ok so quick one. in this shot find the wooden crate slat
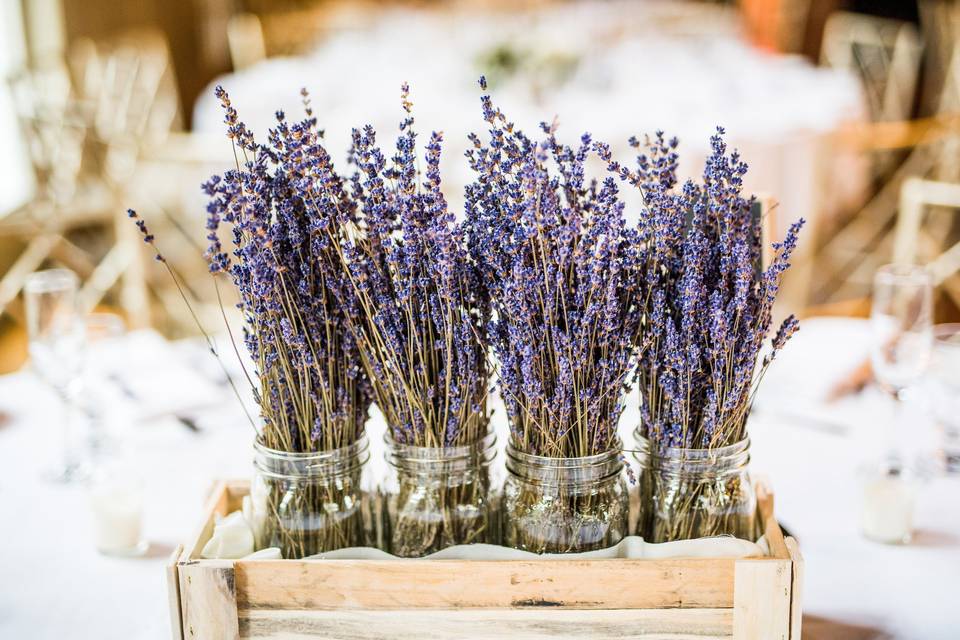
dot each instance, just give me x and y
(796, 593)
(218, 503)
(173, 593)
(672, 598)
(531, 624)
(208, 600)
(578, 584)
(761, 599)
(771, 528)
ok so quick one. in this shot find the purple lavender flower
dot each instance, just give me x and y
(286, 209)
(424, 315)
(558, 264)
(707, 305)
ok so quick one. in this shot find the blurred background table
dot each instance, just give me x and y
(55, 582)
(614, 70)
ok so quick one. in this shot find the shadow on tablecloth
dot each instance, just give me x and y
(817, 628)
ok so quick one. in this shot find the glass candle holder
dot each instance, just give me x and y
(695, 493)
(564, 505)
(309, 503)
(116, 502)
(438, 497)
(887, 503)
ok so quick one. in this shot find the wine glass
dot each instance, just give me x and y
(56, 336)
(103, 335)
(902, 329)
(945, 378)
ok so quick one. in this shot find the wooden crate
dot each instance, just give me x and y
(416, 599)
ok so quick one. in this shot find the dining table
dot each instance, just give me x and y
(166, 407)
(612, 69)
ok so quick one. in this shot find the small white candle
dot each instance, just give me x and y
(117, 505)
(887, 509)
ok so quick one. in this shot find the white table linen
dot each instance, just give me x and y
(53, 583)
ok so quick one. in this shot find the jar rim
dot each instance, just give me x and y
(573, 473)
(311, 466)
(358, 445)
(565, 462)
(676, 452)
(487, 441)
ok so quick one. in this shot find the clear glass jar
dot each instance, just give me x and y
(564, 505)
(309, 503)
(437, 497)
(695, 493)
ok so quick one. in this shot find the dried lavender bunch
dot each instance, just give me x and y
(286, 207)
(422, 339)
(558, 261)
(283, 202)
(706, 302)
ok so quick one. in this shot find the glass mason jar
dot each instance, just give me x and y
(564, 505)
(437, 497)
(309, 503)
(695, 493)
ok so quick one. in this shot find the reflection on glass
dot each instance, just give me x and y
(902, 325)
(945, 375)
(56, 336)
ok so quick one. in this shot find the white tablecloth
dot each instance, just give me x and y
(53, 584)
(614, 69)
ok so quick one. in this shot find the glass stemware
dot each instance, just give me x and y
(902, 341)
(103, 338)
(945, 379)
(56, 337)
(901, 322)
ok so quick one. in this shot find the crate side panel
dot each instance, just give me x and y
(531, 624)
(796, 592)
(208, 601)
(761, 602)
(453, 584)
(771, 528)
(218, 503)
(173, 594)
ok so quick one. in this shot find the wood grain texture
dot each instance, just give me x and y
(672, 598)
(218, 503)
(796, 592)
(208, 601)
(451, 584)
(236, 490)
(761, 599)
(173, 594)
(771, 528)
(530, 624)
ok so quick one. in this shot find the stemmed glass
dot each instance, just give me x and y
(902, 327)
(945, 374)
(56, 337)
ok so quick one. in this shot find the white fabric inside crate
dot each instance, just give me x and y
(233, 539)
(629, 547)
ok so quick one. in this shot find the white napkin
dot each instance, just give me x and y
(232, 538)
(629, 547)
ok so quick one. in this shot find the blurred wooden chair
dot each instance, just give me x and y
(926, 227)
(939, 22)
(929, 148)
(254, 37)
(113, 99)
(54, 127)
(885, 54)
(268, 30)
